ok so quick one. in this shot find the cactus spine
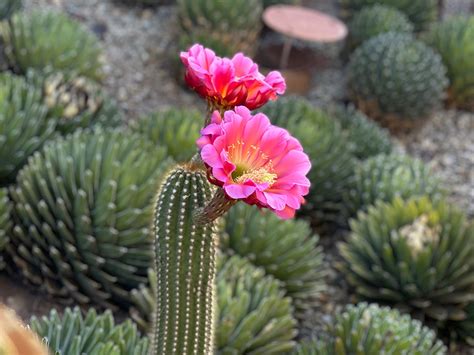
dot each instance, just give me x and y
(185, 262)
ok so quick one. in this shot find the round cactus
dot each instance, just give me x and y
(288, 251)
(82, 210)
(414, 253)
(374, 20)
(92, 334)
(327, 146)
(384, 177)
(5, 222)
(396, 79)
(454, 40)
(8, 7)
(175, 129)
(51, 42)
(371, 329)
(24, 126)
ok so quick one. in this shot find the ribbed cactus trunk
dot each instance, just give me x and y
(185, 265)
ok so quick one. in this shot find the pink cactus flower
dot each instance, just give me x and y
(227, 83)
(255, 161)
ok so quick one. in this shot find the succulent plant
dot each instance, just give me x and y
(8, 7)
(366, 136)
(416, 254)
(50, 41)
(287, 250)
(454, 40)
(420, 12)
(374, 20)
(397, 80)
(465, 328)
(253, 315)
(175, 129)
(5, 222)
(227, 26)
(387, 176)
(82, 210)
(92, 334)
(327, 146)
(75, 101)
(267, 3)
(370, 329)
(24, 126)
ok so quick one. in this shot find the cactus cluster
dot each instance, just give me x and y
(397, 80)
(82, 208)
(50, 41)
(371, 329)
(454, 40)
(8, 7)
(92, 334)
(416, 254)
(5, 222)
(175, 129)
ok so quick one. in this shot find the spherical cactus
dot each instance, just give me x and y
(374, 20)
(82, 208)
(328, 148)
(366, 136)
(92, 334)
(397, 80)
(371, 329)
(24, 126)
(51, 42)
(416, 254)
(8, 7)
(420, 12)
(385, 177)
(233, 25)
(5, 222)
(75, 102)
(286, 250)
(175, 129)
(454, 40)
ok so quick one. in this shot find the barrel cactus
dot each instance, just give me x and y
(416, 254)
(5, 222)
(370, 329)
(82, 208)
(387, 176)
(286, 250)
(8, 7)
(24, 126)
(374, 20)
(92, 334)
(175, 129)
(397, 80)
(454, 40)
(50, 41)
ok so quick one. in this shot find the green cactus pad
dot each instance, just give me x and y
(5, 223)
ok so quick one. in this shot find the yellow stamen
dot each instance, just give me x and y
(260, 175)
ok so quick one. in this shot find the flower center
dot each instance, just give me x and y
(260, 175)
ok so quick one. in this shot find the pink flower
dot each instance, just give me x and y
(227, 83)
(255, 161)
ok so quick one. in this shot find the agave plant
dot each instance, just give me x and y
(370, 329)
(92, 334)
(5, 222)
(82, 208)
(50, 41)
(417, 254)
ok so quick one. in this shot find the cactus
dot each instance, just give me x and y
(227, 26)
(8, 7)
(82, 211)
(397, 80)
(414, 253)
(366, 136)
(454, 40)
(24, 126)
(374, 20)
(331, 155)
(75, 101)
(267, 3)
(370, 329)
(51, 42)
(5, 222)
(286, 250)
(420, 12)
(175, 129)
(386, 176)
(92, 334)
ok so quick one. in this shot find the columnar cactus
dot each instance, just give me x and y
(8, 7)
(416, 254)
(51, 42)
(82, 208)
(94, 334)
(5, 222)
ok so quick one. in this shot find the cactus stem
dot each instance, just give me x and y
(217, 207)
